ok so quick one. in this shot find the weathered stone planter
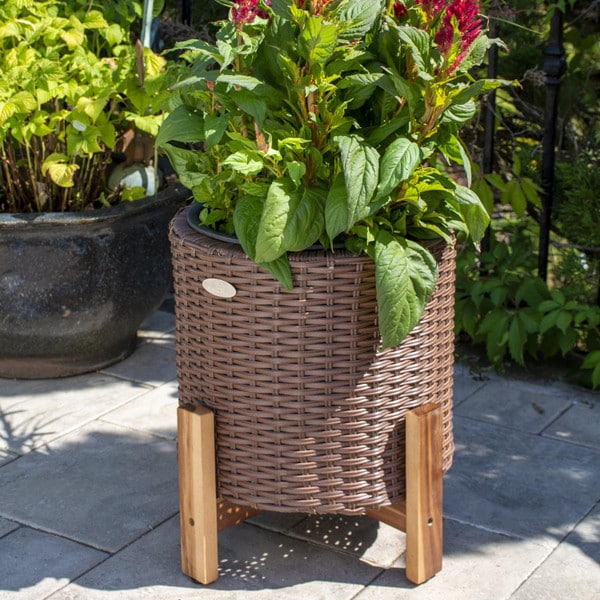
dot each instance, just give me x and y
(74, 287)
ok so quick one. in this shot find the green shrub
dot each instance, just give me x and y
(515, 315)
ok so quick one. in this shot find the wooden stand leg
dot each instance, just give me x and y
(420, 514)
(197, 493)
(424, 493)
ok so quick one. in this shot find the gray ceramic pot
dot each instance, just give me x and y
(74, 287)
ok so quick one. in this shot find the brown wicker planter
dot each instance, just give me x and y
(309, 416)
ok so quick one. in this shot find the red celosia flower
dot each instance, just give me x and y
(399, 10)
(469, 25)
(464, 15)
(431, 7)
(244, 11)
(262, 12)
(445, 36)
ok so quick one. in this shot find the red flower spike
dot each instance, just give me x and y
(469, 25)
(399, 9)
(445, 36)
(244, 11)
(431, 7)
(462, 14)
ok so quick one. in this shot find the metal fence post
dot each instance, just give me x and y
(554, 67)
(489, 122)
(186, 12)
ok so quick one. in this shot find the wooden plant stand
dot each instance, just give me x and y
(203, 515)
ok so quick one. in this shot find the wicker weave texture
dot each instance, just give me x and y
(309, 415)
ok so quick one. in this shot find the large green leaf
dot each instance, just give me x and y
(214, 128)
(397, 164)
(336, 208)
(472, 210)
(592, 361)
(474, 90)
(405, 277)
(251, 104)
(183, 124)
(242, 81)
(242, 163)
(292, 220)
(419, 43)
(186, 164)
(281, 8)
(360, 165)
(482, 188)
(460, 113)
(356, 17)
(246, 219)
(477, 52)
(495, 327)
(94, 19)
(317, 40)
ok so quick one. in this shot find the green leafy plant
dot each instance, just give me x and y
(515, 315)
(513, 188)
(313, 121)
(74, 89)
(577, 211)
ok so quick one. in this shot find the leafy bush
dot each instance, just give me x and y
(500, 301)
(72, 91)
(324, 120)
(515, 315)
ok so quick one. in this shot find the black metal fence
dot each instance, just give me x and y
(554, 68)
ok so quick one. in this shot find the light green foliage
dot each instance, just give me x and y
(325, 122)
(70, 89)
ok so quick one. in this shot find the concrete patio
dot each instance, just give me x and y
(89, 508)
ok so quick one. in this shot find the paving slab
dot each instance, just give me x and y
(518, 483)
(34, 564)
(572, 570)
(477, 565)
(6, 456)
(151, 363)
(465, 384)
(101, 485)
(517, 404)
(579, 425)
(154, 412)
(160, 324)
(253, 563)
(7, 526)
(282, 522)
(13, 391)
(59, 406)
(375, 543)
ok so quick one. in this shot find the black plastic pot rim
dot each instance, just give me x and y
(192, 216)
